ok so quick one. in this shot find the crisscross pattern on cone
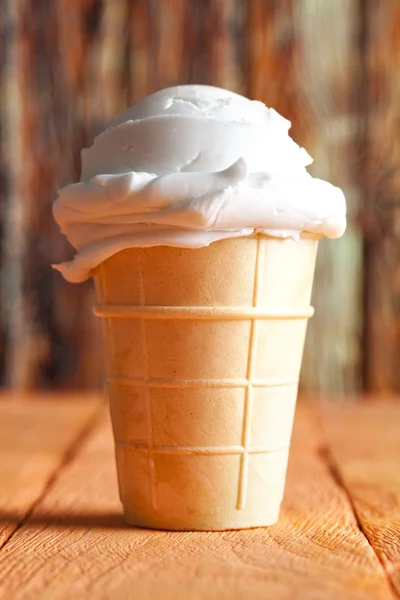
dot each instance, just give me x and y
(203, 352)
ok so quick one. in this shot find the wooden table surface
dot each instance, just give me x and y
(62, 535)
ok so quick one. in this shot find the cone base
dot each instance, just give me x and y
(224, 523)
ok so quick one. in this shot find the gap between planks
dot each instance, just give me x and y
(85, 544)
(333, 467)
(66, 458)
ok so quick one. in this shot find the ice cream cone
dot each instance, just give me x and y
(203, 352)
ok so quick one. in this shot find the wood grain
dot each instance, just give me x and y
(20, 135)
(35, 438)
(75, 544)
(331, 67)
(43, 134)
(141, 60)
(381, 175)
(303, 62)
(76, 114)
(113, 58)
(365, 448)
(328, 74)
(4, 49)
(170, 56)
(227, 44)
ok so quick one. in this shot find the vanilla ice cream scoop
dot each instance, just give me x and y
(185, 167)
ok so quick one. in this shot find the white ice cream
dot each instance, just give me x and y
(185, 167)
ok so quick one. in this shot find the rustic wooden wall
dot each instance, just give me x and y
(381, 175)
(332, 67)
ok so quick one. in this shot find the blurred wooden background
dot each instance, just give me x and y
(331, 66)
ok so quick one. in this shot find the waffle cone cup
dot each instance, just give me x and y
(203, 353)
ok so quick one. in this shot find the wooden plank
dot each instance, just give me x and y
(141, 40)
(3, 170)
(49, 328)
(35, 439)
(77, 114)
(76, 545)
(169, 51)
(328, 78)
(381, 177)
(304, 63)
(364, 443)
(19, 137)
(271, 49)
(113, 52)
(198, 42)
(197, 23)
(227, 44)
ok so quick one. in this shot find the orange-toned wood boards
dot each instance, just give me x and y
(338, 535)
(35, 441)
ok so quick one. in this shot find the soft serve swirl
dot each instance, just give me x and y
(188, 166)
